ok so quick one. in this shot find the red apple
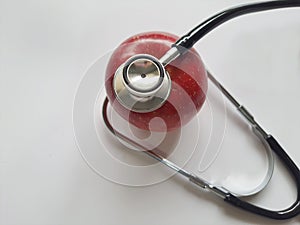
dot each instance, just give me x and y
(187, 72)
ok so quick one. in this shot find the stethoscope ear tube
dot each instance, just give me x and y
(288, 213)
(275, 147)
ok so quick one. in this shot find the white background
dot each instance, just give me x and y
(45, 48)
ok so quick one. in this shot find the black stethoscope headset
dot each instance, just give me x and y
(179, 48)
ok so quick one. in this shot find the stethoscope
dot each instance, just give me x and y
(158, 87)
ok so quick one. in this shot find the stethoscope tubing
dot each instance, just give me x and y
(179, 48)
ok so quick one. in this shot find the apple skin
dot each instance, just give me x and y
(188, 75)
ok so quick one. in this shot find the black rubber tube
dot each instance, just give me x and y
(188, 40)
(287, 213)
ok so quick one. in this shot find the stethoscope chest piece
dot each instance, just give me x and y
(142, 84)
